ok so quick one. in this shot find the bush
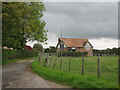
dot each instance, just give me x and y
(72, 54)
(12, 54)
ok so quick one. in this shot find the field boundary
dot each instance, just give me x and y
(72, 80)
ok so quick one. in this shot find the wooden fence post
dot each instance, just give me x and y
(39, 58)
(98, 67)
(48, 61)
(119, 71)
(55, 63)
(45, 62)
(69, 62)
(61, 61)
(82, 65)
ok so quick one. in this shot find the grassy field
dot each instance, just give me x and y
(108, 67)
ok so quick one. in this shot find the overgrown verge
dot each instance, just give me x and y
(13, 54)
(71, 80)
(8, 61)
(9, 56)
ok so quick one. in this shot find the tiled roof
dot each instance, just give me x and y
(74, 42)
(26, 47)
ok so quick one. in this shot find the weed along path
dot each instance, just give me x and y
(19, 75)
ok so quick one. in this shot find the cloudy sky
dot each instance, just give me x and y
(97, 21)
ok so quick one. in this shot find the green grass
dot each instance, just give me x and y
(8, 61)
(108, 67)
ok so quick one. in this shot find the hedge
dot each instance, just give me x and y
(72, 54)
(12, 54)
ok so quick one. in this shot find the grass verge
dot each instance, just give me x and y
(71, 80)
(8, 61)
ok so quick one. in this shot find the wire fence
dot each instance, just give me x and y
(82, 65)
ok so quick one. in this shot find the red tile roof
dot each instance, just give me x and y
(74, 42)
(26, 47)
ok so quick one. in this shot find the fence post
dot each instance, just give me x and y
(82, 65)
(69, 62)
(118, 71)
(98, 67)
(39, 58)
(55, 63)
(44, 64)
(61, 61)
(48, 61)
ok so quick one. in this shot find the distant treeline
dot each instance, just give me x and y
(106, 52)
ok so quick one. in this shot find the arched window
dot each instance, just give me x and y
(73, 49)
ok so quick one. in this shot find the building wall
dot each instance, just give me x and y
(87, 48)
(90, 52)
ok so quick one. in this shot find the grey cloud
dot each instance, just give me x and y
(91, 20)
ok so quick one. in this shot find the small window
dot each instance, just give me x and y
(73, 49)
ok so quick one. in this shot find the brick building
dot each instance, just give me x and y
(75, 44)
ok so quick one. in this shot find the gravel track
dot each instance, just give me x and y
(19, 75)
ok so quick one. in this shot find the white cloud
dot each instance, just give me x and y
(96, 21)
(80, 0)
(52, 41)
(104, 43)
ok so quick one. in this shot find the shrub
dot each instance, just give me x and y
(72, 54)
(12, 54)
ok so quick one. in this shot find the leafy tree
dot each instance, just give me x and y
(38, 47)
(108, 51)
(51, 49)
(47, 50)
(21, 22)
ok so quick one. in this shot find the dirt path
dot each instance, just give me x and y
(18, 75)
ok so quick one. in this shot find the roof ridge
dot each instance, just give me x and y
(77, 42)
(73, 38)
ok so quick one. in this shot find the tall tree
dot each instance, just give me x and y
(51, 49)
(38, 47)
(21, 23)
